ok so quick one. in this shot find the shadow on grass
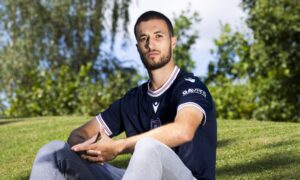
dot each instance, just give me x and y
(224, 142)
(270, 162)
(4, 122)
(26, 177)
(292, 141)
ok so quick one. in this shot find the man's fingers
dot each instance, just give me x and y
(87, 145)
(81, 147)
(93, 139)
(78, 147)
(89, 141)
(93, 152)
(95, 159)
(84, 145)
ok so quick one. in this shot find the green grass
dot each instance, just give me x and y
(246, 149)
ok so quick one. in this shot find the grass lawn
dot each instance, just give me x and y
(246, 149)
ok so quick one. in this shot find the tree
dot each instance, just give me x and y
(55, 33)
(55, 60)
(275, 54)
(186, 38)
(227, 79)
(231, 48)
(266, 61)
(49, 43)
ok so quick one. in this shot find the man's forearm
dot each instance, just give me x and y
(84, 132)
(182, 130)
(172, 135)
(75, 138)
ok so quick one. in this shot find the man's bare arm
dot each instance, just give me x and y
(182, 130)
(84, 132)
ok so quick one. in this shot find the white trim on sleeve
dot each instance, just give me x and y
(189, 104)
(103, 124)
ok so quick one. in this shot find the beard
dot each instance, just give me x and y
(150, 65)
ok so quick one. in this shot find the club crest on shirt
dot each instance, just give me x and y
(154, 123)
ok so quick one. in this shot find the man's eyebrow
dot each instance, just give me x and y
(158, 32)
(142, 35)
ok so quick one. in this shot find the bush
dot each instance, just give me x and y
(63, 92)
(233, 101)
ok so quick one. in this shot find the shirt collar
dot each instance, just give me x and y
(166, 86)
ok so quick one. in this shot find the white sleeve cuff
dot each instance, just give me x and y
(189, 104)
(103, 125)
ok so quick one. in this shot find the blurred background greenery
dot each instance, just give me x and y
(58, 59)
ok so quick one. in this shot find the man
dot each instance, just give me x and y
(170, 123)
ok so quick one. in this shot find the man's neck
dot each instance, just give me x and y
(159, 76)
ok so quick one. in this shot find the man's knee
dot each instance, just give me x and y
(52, 147)
(49, 151)
(148, 146)
(56, 144)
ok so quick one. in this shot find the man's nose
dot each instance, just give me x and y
(149, 44)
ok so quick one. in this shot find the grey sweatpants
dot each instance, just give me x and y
(151, 160)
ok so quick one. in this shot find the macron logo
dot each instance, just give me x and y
(155, 106)
(190, 79)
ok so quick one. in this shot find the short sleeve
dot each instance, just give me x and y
(111, 119)
(192, 92)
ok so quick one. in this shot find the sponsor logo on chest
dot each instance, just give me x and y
(194, 91)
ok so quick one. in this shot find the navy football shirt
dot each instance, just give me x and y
(142, 109)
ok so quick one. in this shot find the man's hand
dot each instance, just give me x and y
(90, 141)
(101, 151)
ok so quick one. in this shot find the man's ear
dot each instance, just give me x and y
(174, 41)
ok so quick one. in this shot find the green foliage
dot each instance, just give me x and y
(276, 51)
(274, 104)
(267, 60)
(54, 33)
(246, 149)
(185, 38)
(233, 95)
(231, 47)
(63, 92)
(54, 62)
(62, 32)
(233, 101)
(2, 107)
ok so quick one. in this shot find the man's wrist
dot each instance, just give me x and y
(121, 146)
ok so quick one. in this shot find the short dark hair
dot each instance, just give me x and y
(149, 15)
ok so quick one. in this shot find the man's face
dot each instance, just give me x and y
(154, 43)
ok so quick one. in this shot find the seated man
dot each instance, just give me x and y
(169, 121)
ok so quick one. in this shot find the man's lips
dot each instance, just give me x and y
(152, 53)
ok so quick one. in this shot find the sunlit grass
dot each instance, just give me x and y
(258, 150)
(246, 149)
